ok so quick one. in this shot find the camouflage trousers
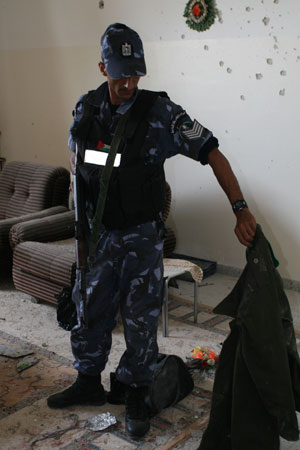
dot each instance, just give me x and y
(128, 276)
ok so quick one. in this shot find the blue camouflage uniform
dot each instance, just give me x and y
(128, 269)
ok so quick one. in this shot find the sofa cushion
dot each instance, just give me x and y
(42, 269)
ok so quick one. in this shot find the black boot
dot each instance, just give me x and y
(137, 417)
(87, 390)
(116, 395)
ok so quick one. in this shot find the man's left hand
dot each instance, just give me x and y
(245, 227)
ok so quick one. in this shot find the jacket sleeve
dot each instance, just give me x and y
(177, 133)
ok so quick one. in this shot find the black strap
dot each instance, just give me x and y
(106, 174)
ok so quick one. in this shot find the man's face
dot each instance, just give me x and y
(121, 89)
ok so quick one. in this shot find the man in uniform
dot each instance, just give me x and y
(127, 271)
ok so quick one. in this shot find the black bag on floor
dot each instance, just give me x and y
(65, 309)
(172, 382)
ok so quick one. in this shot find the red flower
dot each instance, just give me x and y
(211, 355)
(196, 10)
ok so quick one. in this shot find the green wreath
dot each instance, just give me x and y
(200, 14)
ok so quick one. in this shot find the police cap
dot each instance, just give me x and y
(122, 52)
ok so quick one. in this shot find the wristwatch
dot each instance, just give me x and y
(239, 205)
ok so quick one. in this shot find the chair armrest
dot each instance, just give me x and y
(46, 229)
(6, 224)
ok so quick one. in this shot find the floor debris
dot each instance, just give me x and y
(14, 352)
(26, 362)
(100, 422)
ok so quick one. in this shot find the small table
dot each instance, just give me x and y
(172, 269)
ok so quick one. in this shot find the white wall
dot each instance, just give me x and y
(49, 55)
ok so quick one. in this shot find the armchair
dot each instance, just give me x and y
(29, 191)
(44, 253)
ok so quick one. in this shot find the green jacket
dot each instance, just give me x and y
(257, 383)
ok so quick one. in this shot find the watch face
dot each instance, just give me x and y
(239, 205)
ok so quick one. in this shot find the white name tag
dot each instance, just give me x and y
(99, 158)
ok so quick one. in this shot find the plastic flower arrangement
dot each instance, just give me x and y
(204, 357)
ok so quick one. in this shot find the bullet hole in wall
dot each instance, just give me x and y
(219, 15)
(266, 20)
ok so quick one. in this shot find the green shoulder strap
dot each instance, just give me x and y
(105, 177)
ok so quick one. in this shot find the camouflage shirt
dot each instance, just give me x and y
(171, 130)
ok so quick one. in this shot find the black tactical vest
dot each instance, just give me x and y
(136, 192)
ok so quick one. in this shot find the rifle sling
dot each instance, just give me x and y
(105, 177)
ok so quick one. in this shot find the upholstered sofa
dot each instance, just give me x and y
(44, 253)
(29, 191)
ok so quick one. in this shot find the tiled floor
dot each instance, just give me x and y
(28, 416)
(27, 423)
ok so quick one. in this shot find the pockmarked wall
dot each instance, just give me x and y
(240, 78)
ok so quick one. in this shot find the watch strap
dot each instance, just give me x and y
(239, 205)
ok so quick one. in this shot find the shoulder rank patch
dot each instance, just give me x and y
(194, 132)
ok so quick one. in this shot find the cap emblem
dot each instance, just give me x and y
(126, 49)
